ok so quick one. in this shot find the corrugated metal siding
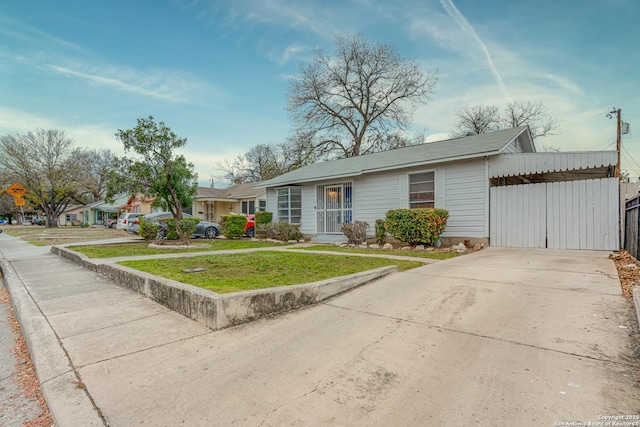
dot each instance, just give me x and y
(532, 163)
(557, 215)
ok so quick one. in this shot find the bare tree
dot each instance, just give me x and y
(477, 119)
(97, 167)
(532, 113)
(43, 162)
(265, 161)
(482, 118)
(352, 101)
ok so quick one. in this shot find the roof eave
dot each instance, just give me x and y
(383, 169)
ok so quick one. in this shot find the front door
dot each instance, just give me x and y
(333, 206)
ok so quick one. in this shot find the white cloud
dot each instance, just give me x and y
(167, 85)
(86, 136)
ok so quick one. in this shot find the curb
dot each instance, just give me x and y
(69, 403)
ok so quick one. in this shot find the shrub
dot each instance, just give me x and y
(172, 232)
(280, 231)
(416, 226)
(85, 225)
(147, 230)
(186, 227)
(233, 225)
(170, 228)
(356, 231)
(263, 217)
(381, 235)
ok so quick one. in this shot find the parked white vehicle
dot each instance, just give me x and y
(123, 221)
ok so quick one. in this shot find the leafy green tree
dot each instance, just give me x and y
(154, 168)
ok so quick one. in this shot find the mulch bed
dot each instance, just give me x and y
(628, 271)
(25, 374)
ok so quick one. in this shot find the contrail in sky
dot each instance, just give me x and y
(453, 12)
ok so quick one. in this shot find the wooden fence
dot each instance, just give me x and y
(631, 228)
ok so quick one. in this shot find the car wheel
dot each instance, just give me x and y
(251, 232)
(210, 233)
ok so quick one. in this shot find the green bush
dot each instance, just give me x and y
(416, 226)
(381, 236)
(170, 228)
(186, 227)
(263, 217)
(147, 230)
(85, 225)
(355, 231)
(280, 231)
(172, 233)
(233, 225)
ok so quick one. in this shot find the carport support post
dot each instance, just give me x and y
(618, 113)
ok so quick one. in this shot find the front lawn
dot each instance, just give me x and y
(436, 254)
(142, 248)
(263, 269)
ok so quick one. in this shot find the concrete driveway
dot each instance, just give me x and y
(499, 337)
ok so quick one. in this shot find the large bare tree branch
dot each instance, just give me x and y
(364, 93)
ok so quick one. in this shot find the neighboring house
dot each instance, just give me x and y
(210, 203)
(497, 190)
(137, 203)
(73, 215)
(97, 213)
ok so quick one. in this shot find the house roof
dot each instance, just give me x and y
(234, 192)
(486, 144)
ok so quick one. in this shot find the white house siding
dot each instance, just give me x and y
(308, 209)
(513, 147)
(374, 194)
(466, 199)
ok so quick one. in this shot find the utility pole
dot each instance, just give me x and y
(618, 113)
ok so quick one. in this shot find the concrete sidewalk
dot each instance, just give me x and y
(500, 337)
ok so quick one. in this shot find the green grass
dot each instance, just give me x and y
(262, 269)
(398, 252)
(142, 248)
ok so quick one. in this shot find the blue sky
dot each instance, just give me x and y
(217, 71)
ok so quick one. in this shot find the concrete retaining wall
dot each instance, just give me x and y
(219, 311)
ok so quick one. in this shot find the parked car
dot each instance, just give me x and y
(123, 221)
(207, 229)
(112, 222)
(39, 220)
(250, 228)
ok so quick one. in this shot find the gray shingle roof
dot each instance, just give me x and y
(434, 152)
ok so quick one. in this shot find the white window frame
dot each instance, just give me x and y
(289, 204)
(432, 201)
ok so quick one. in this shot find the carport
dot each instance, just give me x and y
(554, 200)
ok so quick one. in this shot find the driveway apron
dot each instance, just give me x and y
(498, 337)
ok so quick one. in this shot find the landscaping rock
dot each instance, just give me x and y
(461, 248)
(363, 246)
(405, 248)
(374, 246)
(387, 246)
(477, 247)
(420, 248)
